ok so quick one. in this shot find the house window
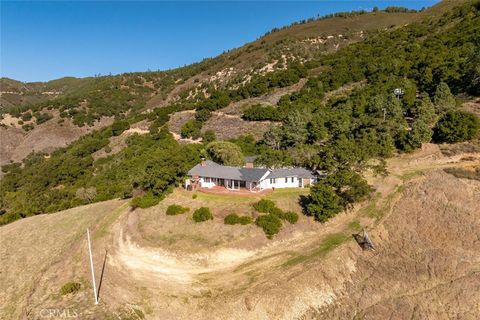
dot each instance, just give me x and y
(206, 179)
(273, 181)
(293, 179)
(286, 180)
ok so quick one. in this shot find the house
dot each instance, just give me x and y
(209, 174)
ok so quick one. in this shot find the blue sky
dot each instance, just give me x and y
(47, 40)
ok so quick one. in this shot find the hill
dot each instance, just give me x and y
(385, 104)
(92, 102)
(335, 113)
(159, 266)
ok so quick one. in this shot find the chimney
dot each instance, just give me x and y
(249, 162)
(203, 163)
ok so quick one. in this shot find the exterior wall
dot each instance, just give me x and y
(281, 183)
(265, 183)
(205, 184)
(307, 182)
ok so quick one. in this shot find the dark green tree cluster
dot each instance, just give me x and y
(152, 164)
(335, 193)
(457, 126)
(260, 85)
(226, 153)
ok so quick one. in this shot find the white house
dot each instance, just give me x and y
(209, 174)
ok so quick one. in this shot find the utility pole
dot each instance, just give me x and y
(91, 267)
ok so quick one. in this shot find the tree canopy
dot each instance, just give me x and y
(225, 153)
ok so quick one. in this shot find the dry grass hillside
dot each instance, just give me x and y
(423, 221)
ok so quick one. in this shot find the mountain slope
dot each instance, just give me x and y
(158, 266)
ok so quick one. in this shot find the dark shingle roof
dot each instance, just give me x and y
(290, 172)
(215, 170)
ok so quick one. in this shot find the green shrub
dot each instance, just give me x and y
(42, 117)
(265, 206)
(262, 113)
(70, 287)
(175, 209)
(191, 129)
(270, 224)
(202, 214)
(119, 126)
(456, 126)
(233, 218)
(127, 194)
(290, 216)
(194, 196)
(28, 127)
(145, 201)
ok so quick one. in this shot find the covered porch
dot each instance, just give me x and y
(229, 184)
(240, 191)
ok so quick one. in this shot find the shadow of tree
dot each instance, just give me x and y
(304, 201)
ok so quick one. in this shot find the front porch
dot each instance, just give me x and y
(239, 192)
(196, 182)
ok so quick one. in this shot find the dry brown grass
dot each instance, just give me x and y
(171, 267)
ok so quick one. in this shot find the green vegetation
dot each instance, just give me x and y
(208, 136)
(233, 218)
(354, 226)
(191, 129)
(145, 201)
(225, 153)
(456, 126)
(70, 287)
(270, 224)
(119, 126)
(335, 193)
(262, 113)
(324, 202)
(260, 85)
(202, 214)
(150, 163)
(264, 206)
(176, 209)
(290, 216)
